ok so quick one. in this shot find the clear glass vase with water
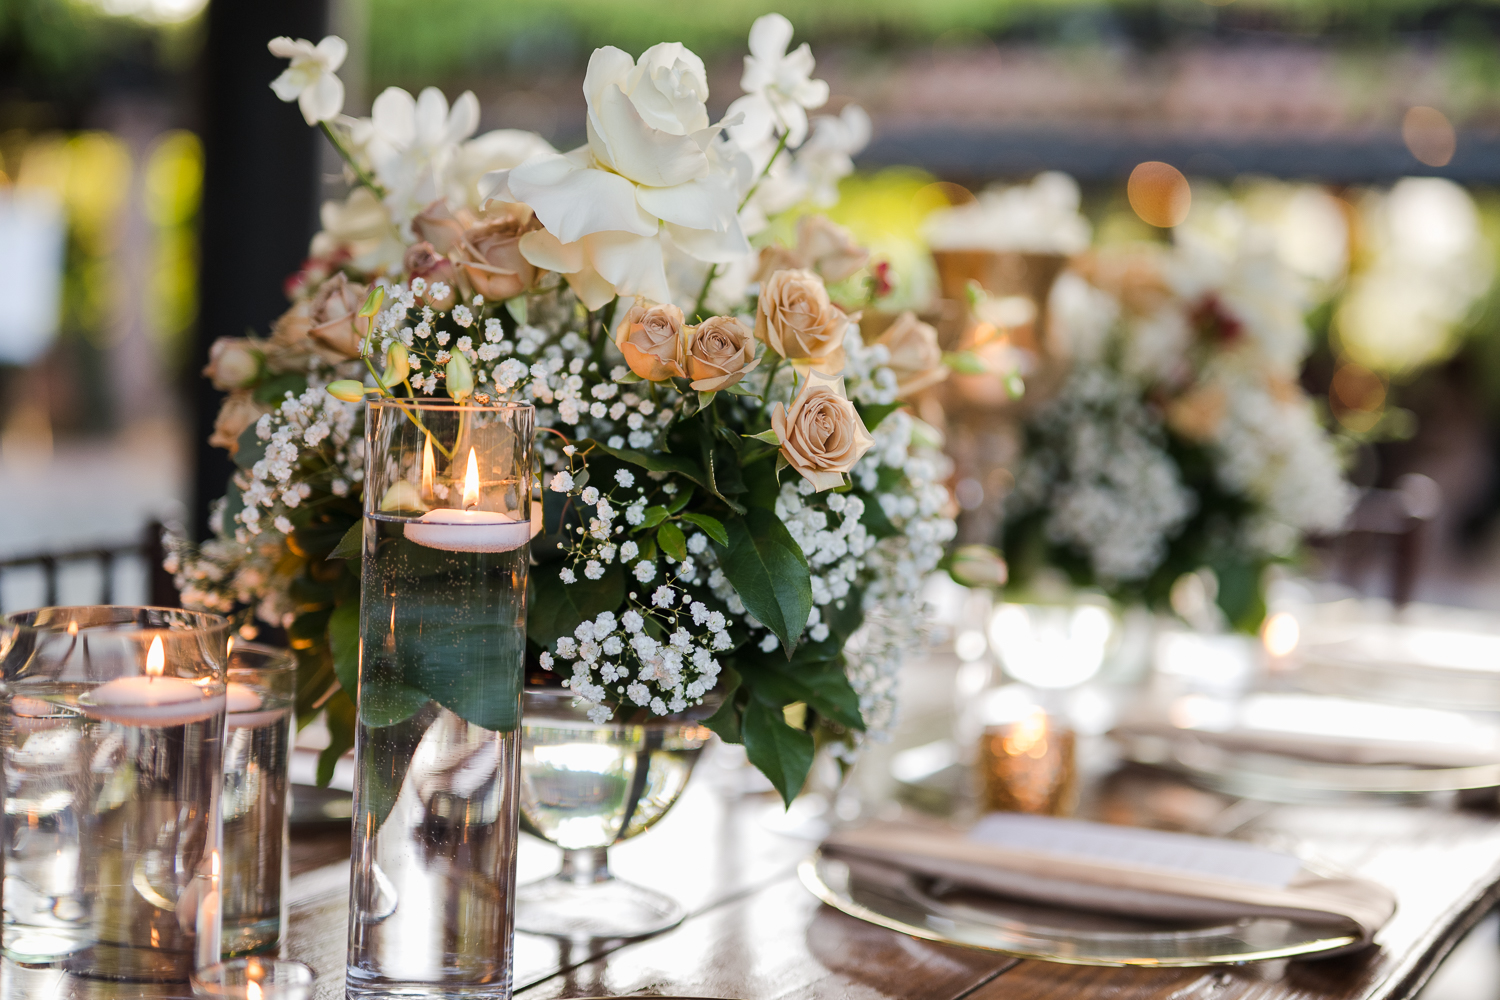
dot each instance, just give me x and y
(442, 642)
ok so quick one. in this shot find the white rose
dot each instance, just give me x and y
(647, 119)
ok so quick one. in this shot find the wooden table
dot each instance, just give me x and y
(755, 933)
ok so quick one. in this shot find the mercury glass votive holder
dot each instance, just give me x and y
(1028, 756)
(447, 528)
(256, 803)
(254, 978)
(112, 744)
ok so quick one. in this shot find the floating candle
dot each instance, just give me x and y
(469, 530)
(244, 708)
(151, 700)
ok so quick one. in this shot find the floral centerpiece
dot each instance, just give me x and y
(731, 491)
(1180, 438)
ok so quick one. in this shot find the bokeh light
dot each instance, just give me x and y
(1429, 135)
(1159, 193)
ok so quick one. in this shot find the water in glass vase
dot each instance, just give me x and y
(107, 830)
(256, 779)
(442, 638)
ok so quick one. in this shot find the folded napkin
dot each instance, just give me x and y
(1321, 728)
(1124, 870)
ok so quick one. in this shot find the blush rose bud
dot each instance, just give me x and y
(347, 389)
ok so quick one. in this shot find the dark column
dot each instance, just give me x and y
(260, 191)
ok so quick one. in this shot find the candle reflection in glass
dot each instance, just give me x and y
(1027, 758)
(112, 749)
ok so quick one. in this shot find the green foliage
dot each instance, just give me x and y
(872, 414)
(712, 526)
(767, 568)
(783, 754)
(555, 609)
(672, 541)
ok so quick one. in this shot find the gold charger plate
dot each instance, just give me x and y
(935, 911)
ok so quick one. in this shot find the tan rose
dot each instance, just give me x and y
(490, 254)
(239, 411)
(829, 247)
(821, 434)
(423, 261)
(721, 351)
(442, 227)
(1197, 413)
(916, 357)
(336, 329)
(795, 319)
(291, 346)
(234, 363)
(651, 338)
(823, 246)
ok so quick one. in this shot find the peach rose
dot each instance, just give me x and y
(423, 261)
(821, 434)
(490, 254)
(442, 227)
(1198, 413)
(721, 351)
(915, 356)
(239, 411)
(795, 319)
(651, 338)
(336, 329)
(234, 363)
(829, 247)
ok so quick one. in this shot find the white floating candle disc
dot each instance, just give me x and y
(244, 704)
(151, 701)
(468, 531)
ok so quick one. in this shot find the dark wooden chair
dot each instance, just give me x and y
(1396, 522)
(161, 591)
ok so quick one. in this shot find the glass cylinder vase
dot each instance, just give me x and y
(113, 755)
(442, 639)
(257, 752)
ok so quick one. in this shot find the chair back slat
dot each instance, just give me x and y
(161, 590)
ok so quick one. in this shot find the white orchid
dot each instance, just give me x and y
(652, 172)
(310, 79)
(780, 81)
(410, 143)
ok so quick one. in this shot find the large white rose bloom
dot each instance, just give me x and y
(651, 173)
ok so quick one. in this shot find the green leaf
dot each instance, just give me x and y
(965, 362)
(825, 686)
(629, 378)
(767, 568)
(768, 436)
(726, 721)
(712, 526)
(556, 608)
(670, 538)
(705, 400)
(273, 390)
(351, 546)
(781, 753)
(339, 715)
(343, 640)
(741, 389)
(472, 669)
(873, 413)
(680, 500)
(658, 462)
(655, 515)
(251, 449)
(516, 306)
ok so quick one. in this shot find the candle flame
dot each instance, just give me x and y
(156, 659)
(252, 991)
(72, 628)
(427, 464)
(213, 863)
(471, 483)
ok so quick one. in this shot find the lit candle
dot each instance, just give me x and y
(244, 707)
(468, 530)
(152, 700)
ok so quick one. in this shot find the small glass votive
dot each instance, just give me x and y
(112, 743)
(254, 978)
(257, 749)
(1027, 760)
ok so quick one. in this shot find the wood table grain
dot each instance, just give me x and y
(755, 933)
